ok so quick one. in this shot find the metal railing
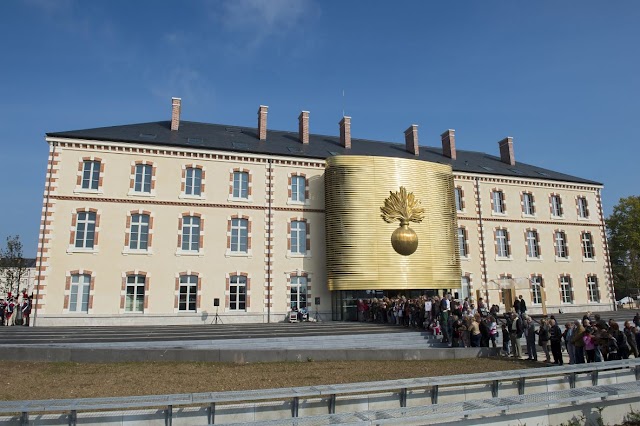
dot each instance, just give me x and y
(329, 392)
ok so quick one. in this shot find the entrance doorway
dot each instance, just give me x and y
(345, 302)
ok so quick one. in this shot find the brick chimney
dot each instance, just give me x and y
(303, 127)
(262, 122)
(345, 132)
(411, 139)
(449, 144)
(506, 151)
(175, 113)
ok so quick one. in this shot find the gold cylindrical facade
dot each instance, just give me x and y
(359, 251)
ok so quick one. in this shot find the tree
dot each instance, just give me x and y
(13, 267)
(624, 246)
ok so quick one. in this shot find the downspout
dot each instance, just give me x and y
(607, 259)
(482, 248)
(269, 242)
(44, 229)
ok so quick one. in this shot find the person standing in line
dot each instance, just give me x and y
(631, 338)
(523, 307)
(578, 343)
(445, 307)
(555, 338)
(493, 330)
(589, 345)
(530, 331)
(543, 339)
(567, 335)
(516, 306)
(515, 334)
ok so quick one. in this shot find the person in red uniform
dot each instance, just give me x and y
(26, 310)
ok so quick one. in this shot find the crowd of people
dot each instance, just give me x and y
(462, 323)
(15, 310)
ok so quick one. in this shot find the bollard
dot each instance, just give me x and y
(211, 413)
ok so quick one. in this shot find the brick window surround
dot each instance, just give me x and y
(558, 201)
(132, 178)
(533, 203)
(458, 189)
(176, 303)
(290, 190)
(571, 292)
(249, 236)
(80, 173)
(582, 199)
(299, 273)
(123, 290)
(526, 243)
(67, 288)
(508, 242)
(555, 243)
(593, 277)
(74, 222)
(465, 235)
(201, 241)
(127, 232)
(502, 208)
(308, 237)
(183, 181)
(227, 293)
(249, 184)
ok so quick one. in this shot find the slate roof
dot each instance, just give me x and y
(244, 140)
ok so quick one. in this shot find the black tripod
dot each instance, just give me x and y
(217, 318)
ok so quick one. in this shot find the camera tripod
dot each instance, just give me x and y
(216, 318)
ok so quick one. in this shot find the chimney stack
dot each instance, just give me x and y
(506, 151)
(262, 122)
(449, 144)
(345, 132)
(411, 139)
(175, 113)
(303, 127)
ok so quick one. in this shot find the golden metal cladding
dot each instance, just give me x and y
(360, 254)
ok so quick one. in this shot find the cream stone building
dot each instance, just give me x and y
(157, 223)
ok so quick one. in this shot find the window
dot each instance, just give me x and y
(528, 206)
(79, 296)
(188, 293)
(502, 243)
(465, 286)
(462, 242)
(459, 199)
(139, 232)
(134, 298)
(556, 206)
(298, 237)
(298, 292)
(497, 199)
(566, 292)
(85, 230)
(190, 233)
(90, 174)
(193, 181)
(592, 288)
(238, 293)
(240, 185)
(298, 188)
(587, 245)
(561, 245)
(142, 181)
(536, 289)
(583, 208)
(239, 235)
(533, 246)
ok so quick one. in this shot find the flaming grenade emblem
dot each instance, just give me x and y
(403, 207)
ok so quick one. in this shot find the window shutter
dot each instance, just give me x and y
(571, 290)
(507, 242)
(566, 243)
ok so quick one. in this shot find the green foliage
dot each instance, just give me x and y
(623, 227)
(13, 266)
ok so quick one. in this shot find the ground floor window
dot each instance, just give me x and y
(79, 297)
(536, 290)
(298, 292)
(134, 300)
(238, 293)
(566, 292)
(188, 293)
(592, 284)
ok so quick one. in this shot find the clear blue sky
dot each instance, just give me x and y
(561, 77)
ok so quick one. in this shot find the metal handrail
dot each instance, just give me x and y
(294, 393)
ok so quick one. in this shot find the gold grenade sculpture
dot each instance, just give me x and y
(405, 208)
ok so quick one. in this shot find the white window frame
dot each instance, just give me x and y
(239, 231)
(298, 237)
(298, 189)
(528, 204)
(566, 291)
(299, 283)
(92, 167)
(592, 289)
(462, 242)
(587, 246)
(498, 202)
(237, 290)
(536, 289)
(583, 208)
(561, 245)
(85, 221)
(458, 199)
(185, 295)
(143, 177)
(191, 234)
(80, 291)
(135, 236)
(533, 245)
(131, 304)
(240, 185)
(556, 206)
(502, 243)
(193, 182)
